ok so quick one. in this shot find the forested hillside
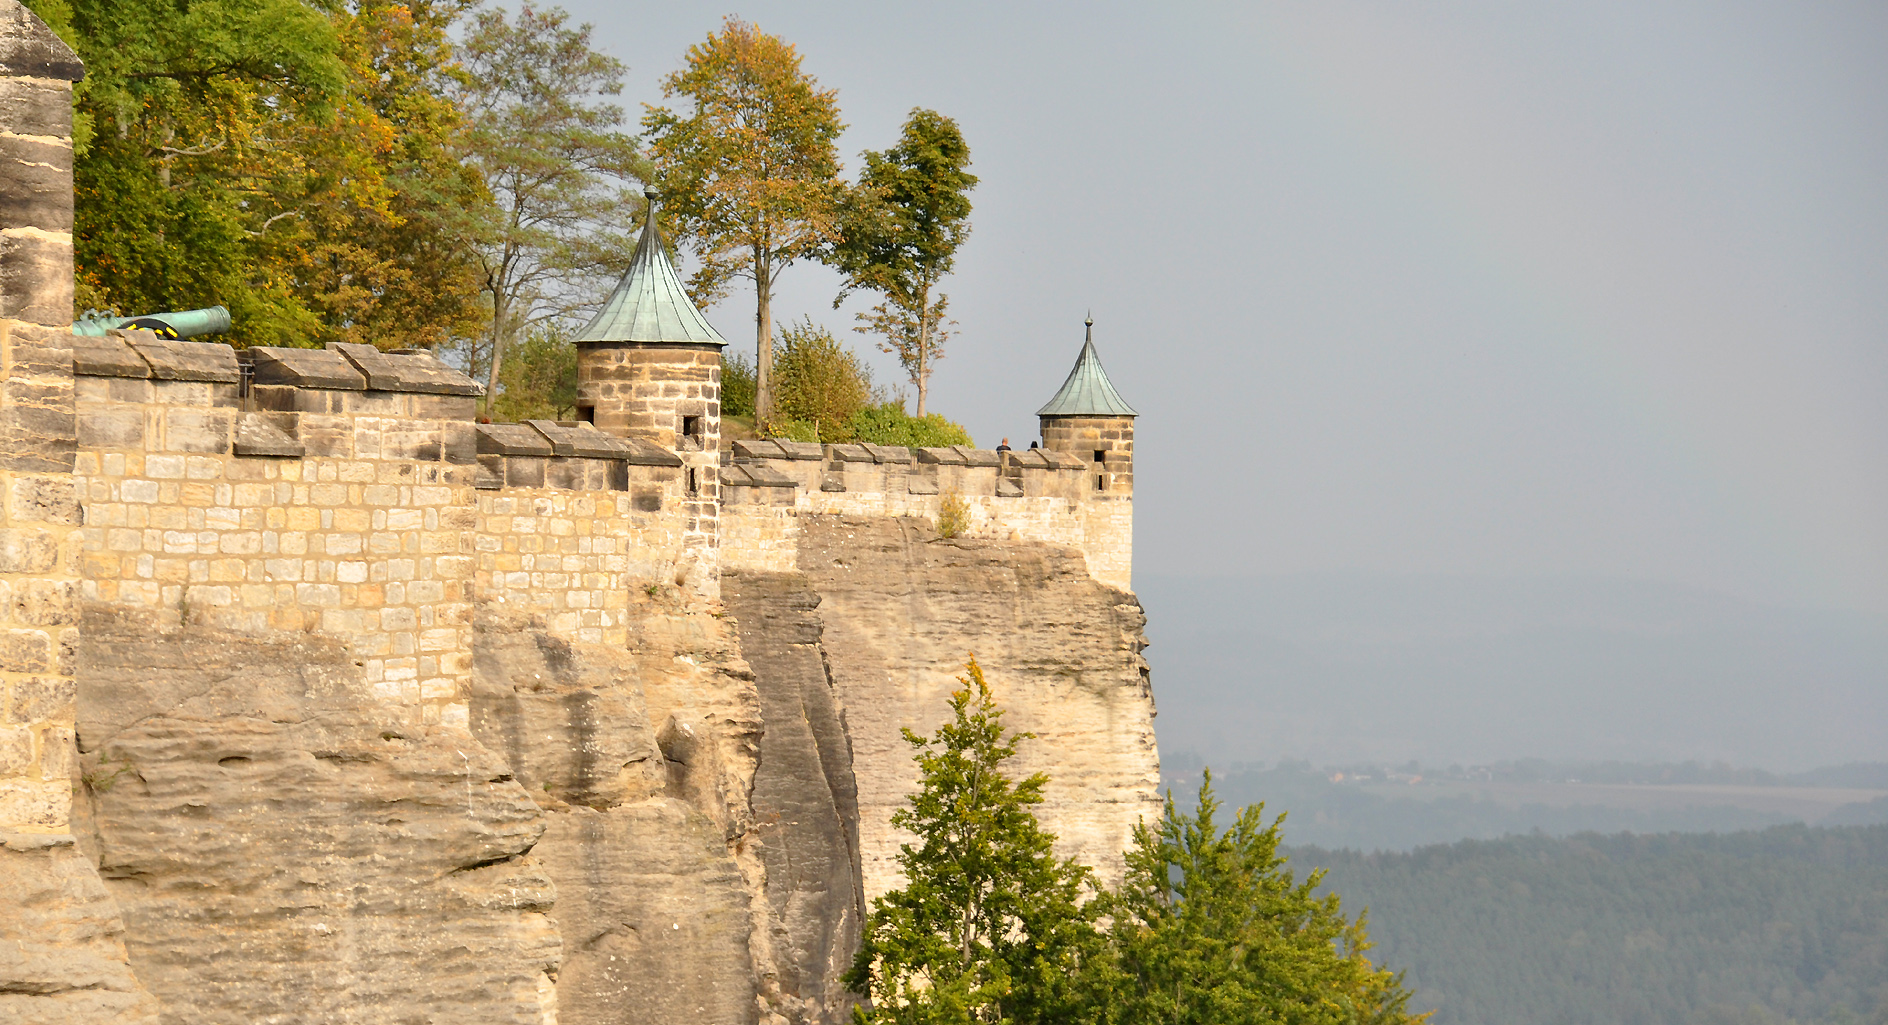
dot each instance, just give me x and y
(1785, 925)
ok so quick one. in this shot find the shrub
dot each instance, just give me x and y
(818, 381)
(538, 380)
(738, 385)
(888, 424)
(953, 515)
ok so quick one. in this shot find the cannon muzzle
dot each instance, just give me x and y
(181, 324)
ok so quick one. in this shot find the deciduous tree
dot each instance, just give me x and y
(990, 925)
(750, 172)
(547, 145)
(900, 234)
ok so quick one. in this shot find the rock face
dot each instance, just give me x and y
(281, 852)
(806, 805)
(903, 609)
(62, 951)
(653, 900)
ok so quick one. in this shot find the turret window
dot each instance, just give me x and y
(691, 427)
(1101, 456)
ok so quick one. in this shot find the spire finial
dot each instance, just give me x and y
(1089, 323)
(649, 195)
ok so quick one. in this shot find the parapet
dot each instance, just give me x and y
(770, 467)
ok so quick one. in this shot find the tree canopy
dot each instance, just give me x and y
(900, 232)
(751, 170)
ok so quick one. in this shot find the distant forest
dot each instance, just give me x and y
(1325, 813)
(1786, 925)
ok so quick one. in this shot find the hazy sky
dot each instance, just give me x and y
(1516, 290)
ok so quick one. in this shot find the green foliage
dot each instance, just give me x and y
(737, 384)
(953, 515)
(990, 926)
(900, 233)
(539, 382)
(751, 170)
(548, 147)
(293, 162)
(1789, 924)
(818, 382)
(1212, 927)
(887, 423)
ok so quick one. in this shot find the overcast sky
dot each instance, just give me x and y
(1440, 305)
(1510, 289)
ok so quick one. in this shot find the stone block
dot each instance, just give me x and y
(180, 360)
(261, 434)
(757, 448)
(800, 449)
(107, 356)
(305, 368)
(28, 49)
(490, 475)
(36, 106)
(443, 407)
(946, 456)
(511, 440)
(26, 651)
(764, 476)
(832, 482)
(920, 485)
(891, 454)
(27, 550)
(36, 191)
(36, 276)
(648, 453)
(1029, 458)
(849, 454)
(1007, 488)
(198, 430)
(978, 456)
(525, 471)
(52, 499)
(406, 371)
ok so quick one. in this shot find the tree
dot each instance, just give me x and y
(819, 381)
(900, 235)
(989, 926)
(750, 175)
(1211, 928)
(551, 154)
(540, 379)
(293, 162)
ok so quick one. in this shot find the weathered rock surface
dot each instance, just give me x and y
(654, 903)
(284, 851)
(62, 951)
(805, 798)
(903, 609)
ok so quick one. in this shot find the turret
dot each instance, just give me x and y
(649, 364)
(1088, 419)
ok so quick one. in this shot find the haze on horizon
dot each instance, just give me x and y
(1512, 378)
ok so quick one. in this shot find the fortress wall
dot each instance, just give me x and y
(572, 558)
(365, 536)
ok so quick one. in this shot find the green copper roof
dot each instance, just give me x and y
(649, 304)
(1087, 392)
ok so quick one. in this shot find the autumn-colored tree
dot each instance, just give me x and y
(291, 162)
(547, 145)
(818, 381)
(750, 174)
(900, 234)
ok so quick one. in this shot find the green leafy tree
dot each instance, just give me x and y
(901, 231)
(819, 381)
(737, 385)
(293, 162)
(540, 380)
(1212, 928)
(990, 926)
(548, 147)
(750, 174)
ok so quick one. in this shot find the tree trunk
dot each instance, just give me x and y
(763, 342)
(499, 312)
(924, 348)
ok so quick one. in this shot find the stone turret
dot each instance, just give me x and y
(649, 367)
(1089, 419)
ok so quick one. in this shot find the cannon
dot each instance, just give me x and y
(181, 324)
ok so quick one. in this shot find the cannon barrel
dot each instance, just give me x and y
(180, 324)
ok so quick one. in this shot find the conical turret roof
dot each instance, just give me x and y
(649, 304)
(1087, 392)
